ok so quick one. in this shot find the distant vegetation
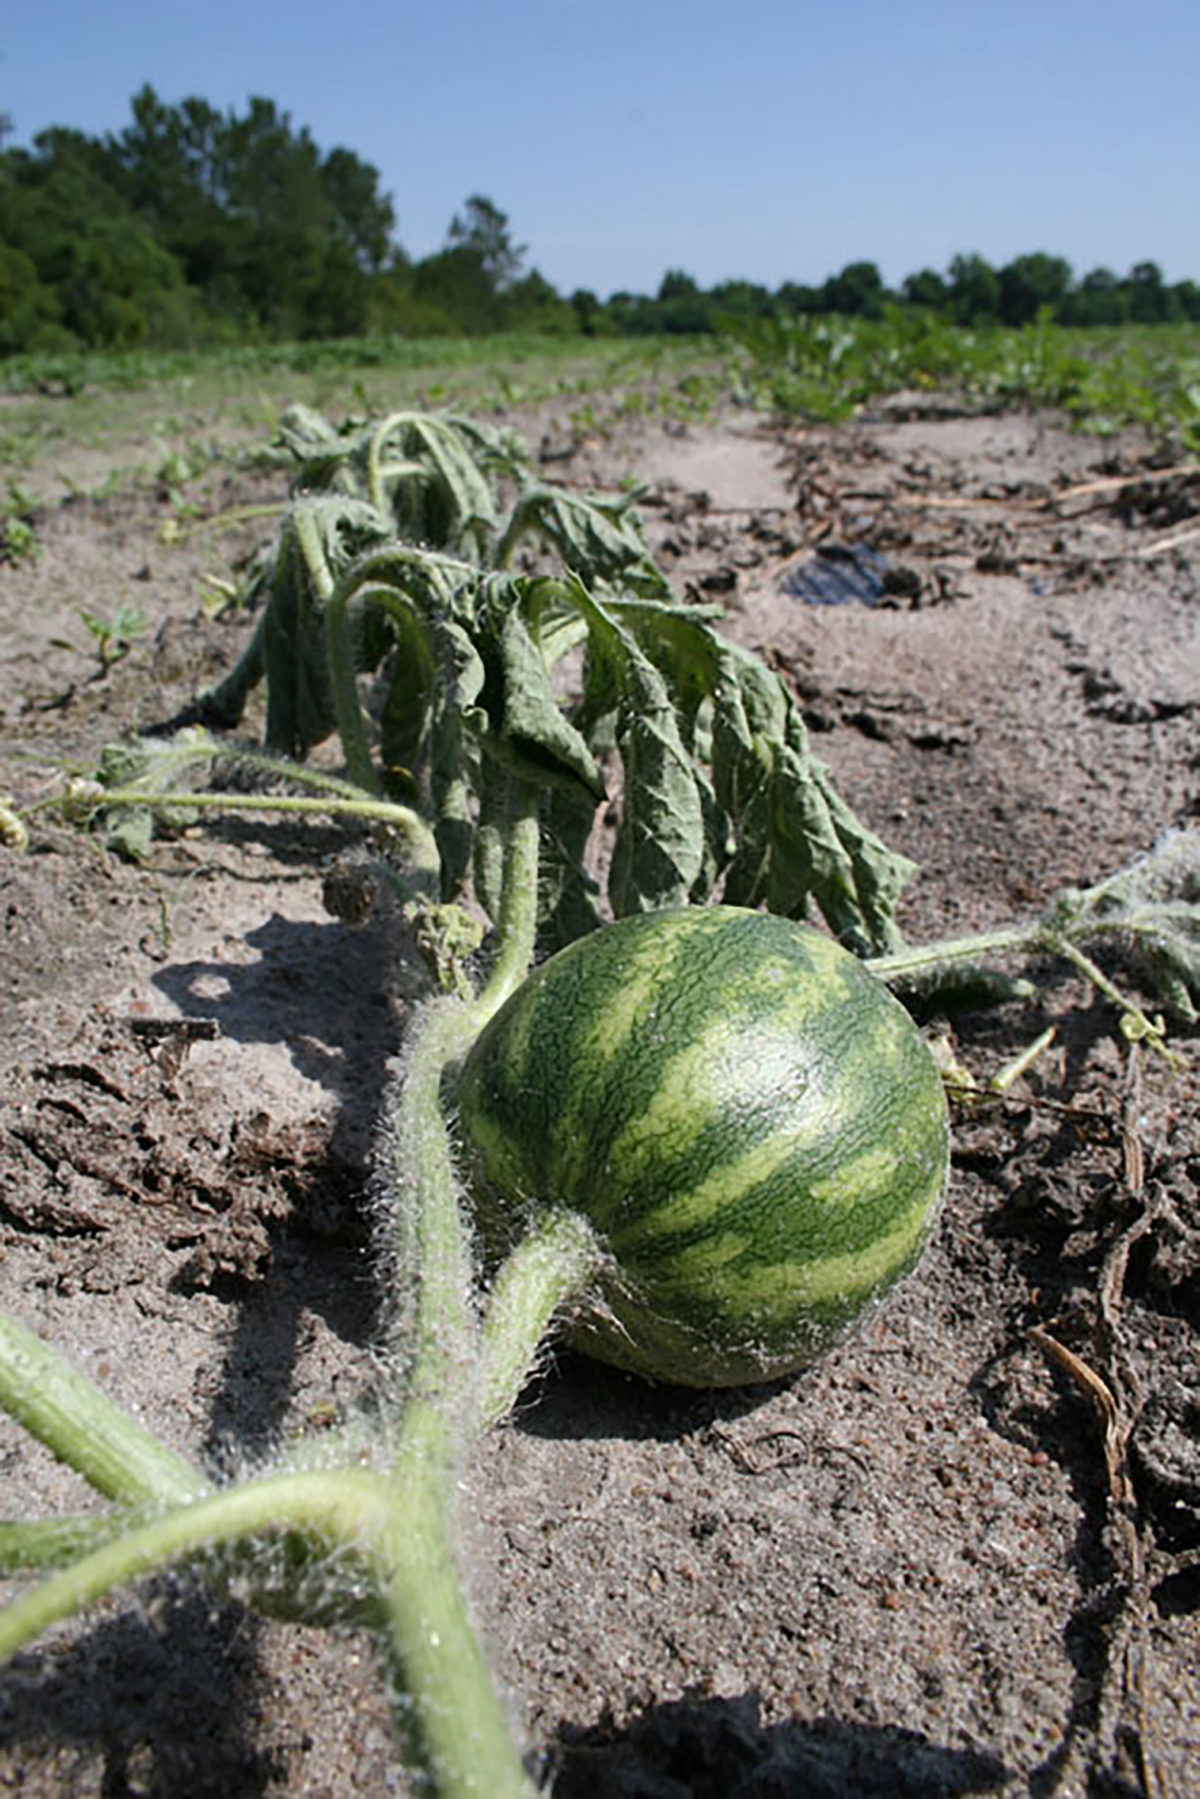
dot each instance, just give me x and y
(194, 227)
(1104, 377)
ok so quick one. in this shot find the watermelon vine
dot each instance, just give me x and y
(704, 1137)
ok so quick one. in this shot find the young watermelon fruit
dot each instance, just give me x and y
(747, 1118)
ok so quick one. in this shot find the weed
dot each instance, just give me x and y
(112, 638)
(18, 529)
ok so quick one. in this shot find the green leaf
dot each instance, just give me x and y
(150, 766)
(430, 472)
(797, 839)
(569, 895)
(509, 723)
(317, 446)
(299, 706)
(499, 451)
(530, 732)
(427, 470)
(319, 539)
(772, 821)
(659, 853)
(1150, 908)
(679, 643)
(409, 696)
(456, 724)
(599, 537)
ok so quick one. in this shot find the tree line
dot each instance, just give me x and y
(970, 292)
(194, 226)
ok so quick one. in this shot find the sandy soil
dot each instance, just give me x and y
(902, 1573)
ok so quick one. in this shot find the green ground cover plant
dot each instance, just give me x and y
(223, 402)
(823, 368)
(18, 525)
(111, 638)
(512, 363)
(498, 659)
(1105, 379)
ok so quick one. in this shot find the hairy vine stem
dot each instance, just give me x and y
(516, 925)
(347, 1506)
(1048, 938)
(917, 958)
(463, 1737)
(62, 1408)
(457, 1382)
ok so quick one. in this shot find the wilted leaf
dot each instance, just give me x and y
(718, 785)
(151, 765)
(530, 732)
(454, 729)
(598, 537)
(796, 838)
(1152, 909)
(568, 895)
(319, 539)
(408, 697)
(426, 470)
(659, 852)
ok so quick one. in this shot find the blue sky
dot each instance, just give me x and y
(776, 141)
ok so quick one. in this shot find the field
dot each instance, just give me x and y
(958, 1556)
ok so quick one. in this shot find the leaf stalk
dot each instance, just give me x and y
(62, 1408)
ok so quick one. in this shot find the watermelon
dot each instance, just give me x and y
(751, 1123)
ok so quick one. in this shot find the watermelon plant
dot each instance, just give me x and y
(702, 1138)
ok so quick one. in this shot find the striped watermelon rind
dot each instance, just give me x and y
(749, 1120)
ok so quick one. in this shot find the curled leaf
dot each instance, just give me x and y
(659, 852)
(1150, 908)
(454, 728)
(530, 731)
(597, 536)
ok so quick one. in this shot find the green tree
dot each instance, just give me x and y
(534, 304)
(167, 164)
(30, 315)
(101, 277)
(633, 315)
(272, 232)
(926, 288)
(676, 284)
(1101, 298)
(742, 299)
(1186, 300)
(470, 279)
(857, 291)
(481, 231)
(364, 218)
(681, 308)
(589, 312)
(395, 306)
(455, 283)
(974, 290)
(118, 288)
(1030, 282)
(796, 297)
(1150, 299)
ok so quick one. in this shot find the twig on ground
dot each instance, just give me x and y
(1173, 540)
(1126, 1683)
